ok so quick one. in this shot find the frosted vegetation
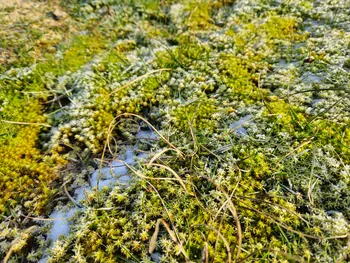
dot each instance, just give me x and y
(175, 131)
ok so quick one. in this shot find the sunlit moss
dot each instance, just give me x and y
(193, 70)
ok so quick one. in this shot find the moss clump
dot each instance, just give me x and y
(198, 115)
(126, 230)
(239, 80)
(25, 175)
(286, 117)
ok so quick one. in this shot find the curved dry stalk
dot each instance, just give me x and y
(145, 177)
(153, 128)
(233, 210)
(276, 221)
(45, 219)
(225, 203)
(109, 133)
(110, 128)
(178, 178)
(138, 79)
(175, 237)
(9, 253)
(157, 155)
(112, 125)
(70, 197)
(175, 174)
(295, 149)
(234, 213)
(227, 245)
(217, 238)
(27, 123)
(103, 155)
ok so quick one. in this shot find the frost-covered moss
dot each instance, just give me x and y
(250, 99)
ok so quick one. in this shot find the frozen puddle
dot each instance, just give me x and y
(60, 225)
(309, 78)
(238, 125)
(285, 65)
(316, 101)
(147, 135)
(108, 176)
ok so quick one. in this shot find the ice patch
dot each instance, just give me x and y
(283, 64)
(79, 193)
(43, 260)
(60, 227)
(129, 156)
(109, 176)
(237, 126)
(116, 172)
(316, 101)
(101, 175)
(311, 78)
(142, 156)
(147, 135)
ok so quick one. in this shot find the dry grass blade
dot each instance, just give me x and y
(225, 203)
(175, 174)
(173, 234)
(227, 245)
(157, 155)
(25, 232)
(232, 209)
(138, 79)
(217, 238)
(294, 150)
(205, 253)
(153, 241)
(45, 219)
(173, 237)
(27, 123)
(145, 177)
(153, 128)
(70, 197)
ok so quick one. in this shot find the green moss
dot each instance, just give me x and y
(197, 115)
(240, 81)
(287, 117)
(199, 15)
(191, 69)
(81, 50)
(26, 175)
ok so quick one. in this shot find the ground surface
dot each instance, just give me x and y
(175, 131)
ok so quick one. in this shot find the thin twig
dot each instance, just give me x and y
(138, 79)
(26, 123)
